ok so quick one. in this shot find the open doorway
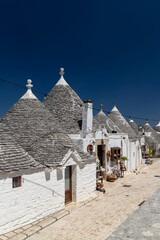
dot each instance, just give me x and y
(68, 184)
(101, 154)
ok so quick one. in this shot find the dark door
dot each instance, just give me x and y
(68, 184)
(101, 155)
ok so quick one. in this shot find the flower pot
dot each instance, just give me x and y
(111, 178)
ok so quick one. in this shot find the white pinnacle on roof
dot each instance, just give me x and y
(147, 124)
(114, 109)
(130, 119)
(158, 125)
(29, 94)
(62, 81)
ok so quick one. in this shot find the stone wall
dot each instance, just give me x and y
(41, 194)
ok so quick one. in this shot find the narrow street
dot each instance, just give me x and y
(99, 218)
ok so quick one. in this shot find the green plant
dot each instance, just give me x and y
(123, 158)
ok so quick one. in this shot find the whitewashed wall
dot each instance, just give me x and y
(83, 178)
(41, 194)
(134, 156)
(118, 140)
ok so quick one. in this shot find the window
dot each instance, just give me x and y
(16, 182)
(115, 154)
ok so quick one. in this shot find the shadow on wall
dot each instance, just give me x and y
(47, 176)
(59, 174)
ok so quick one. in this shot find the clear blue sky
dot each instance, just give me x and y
(110, 50)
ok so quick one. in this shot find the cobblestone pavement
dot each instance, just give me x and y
(98, 219)
(34, 227)
(143, 224)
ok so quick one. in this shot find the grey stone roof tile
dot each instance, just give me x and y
(66, 106)
(51, 149)
(12, 156)
(154, 135)
(28, 120)
(121, 122)
(134, 126)
(110, 126)
(157, 127)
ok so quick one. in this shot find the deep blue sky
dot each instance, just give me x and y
(110, 50)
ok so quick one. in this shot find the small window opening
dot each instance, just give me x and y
(16, 182)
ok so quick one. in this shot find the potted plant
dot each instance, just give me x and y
(123, 158)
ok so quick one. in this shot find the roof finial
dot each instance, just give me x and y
(62, 81)
(146, 122)
(29, 94)
(101, 107)
(29, 85)
(61, 71)
(114, 103)
(130, 119)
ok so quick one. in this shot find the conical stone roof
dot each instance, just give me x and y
(133, 126)
(121, 122)
(12, 156)
(65, 105)
(102, 119)
(147, 128)
(153, 134)
(28, 120)
(52, 148)
(157, 127)
(151, 141)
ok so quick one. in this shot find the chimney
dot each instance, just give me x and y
(87, 118)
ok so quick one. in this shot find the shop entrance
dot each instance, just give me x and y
(101, 154)
(68, 184)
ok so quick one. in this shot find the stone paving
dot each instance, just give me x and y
(143, 224)
(97, 219)
(30, 229)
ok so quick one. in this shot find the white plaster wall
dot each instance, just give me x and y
(87, 118)
(86, 142)
(142, 140)
(84, 175)
(129, 162)
(135, 157)
(118, 140)
(40, 195)
(86, 180)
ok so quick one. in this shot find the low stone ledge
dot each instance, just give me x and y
(2, 237)
(10, 234)
(46, 222)
(27, 226)
(19, 236)
(61, 214)
(19, 230)
(30, 231)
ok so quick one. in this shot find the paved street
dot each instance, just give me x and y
(99, 218)
(143, 224)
